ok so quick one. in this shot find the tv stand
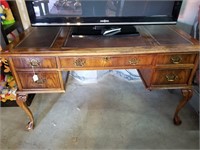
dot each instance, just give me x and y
(82, 31)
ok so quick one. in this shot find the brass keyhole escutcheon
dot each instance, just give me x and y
(134, 61)
(106, 59)
(80, 62)
(176, 59)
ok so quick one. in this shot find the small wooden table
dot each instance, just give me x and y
(165, 57)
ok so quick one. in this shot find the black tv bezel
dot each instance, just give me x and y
(85, 21)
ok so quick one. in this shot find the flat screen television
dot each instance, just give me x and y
(107, 17)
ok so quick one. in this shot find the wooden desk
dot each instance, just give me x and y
(165, 57)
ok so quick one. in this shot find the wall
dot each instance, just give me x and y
(188, 14)
(23, 13)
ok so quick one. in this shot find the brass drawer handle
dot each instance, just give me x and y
(79, 62)
(134, 61)
(40, 81)
(176, 59)
(171, 77)
(35, 63)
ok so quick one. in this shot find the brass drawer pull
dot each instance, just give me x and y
(79, 62)
(171, 77)
(34, 63)
(176, 59)
(40, 81)
(134, 61)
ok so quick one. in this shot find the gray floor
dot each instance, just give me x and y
(111, 114)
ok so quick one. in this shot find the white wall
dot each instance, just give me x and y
(23, 13)
(187, 17)
(189, 11)
(188, 14)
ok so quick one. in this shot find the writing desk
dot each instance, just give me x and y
(165, 57)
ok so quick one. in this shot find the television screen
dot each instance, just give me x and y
(102, 12)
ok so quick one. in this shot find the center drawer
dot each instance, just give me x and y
(105, 61)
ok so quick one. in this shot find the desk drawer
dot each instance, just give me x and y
(106, 61)
(166, 77)
(46, 80)
(36, 62)
(175, 59)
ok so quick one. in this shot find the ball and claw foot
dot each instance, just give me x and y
(177, 120)
(30, 126)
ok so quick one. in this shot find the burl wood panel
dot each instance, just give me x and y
(46, 80)
(170, 77)
(175, 58)
(106, 61)
(36, 62)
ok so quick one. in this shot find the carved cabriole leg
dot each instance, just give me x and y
(21, 101)
(187, 94)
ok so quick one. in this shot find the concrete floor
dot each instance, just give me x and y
(110, 114)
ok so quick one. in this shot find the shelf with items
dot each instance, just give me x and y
(11, 27)
(8, 85)
(9, 30)
(11, 24)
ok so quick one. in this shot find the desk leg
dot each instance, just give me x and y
(187, 94)
(21, 101)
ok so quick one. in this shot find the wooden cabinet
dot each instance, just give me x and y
(170, 70)
(46, 70)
